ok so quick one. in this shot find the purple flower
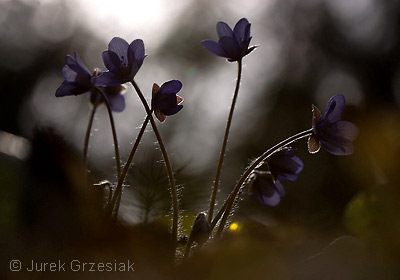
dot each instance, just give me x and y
(333, 135)
(165, 101)
(283, 163)
(78, 81)
(231, 44)
(265, 189)
(122, 60)
(267, 186)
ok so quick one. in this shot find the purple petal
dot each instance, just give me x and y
(338, 148)
(214, 48)
(75, 74)
(111, 61)
(120, 47)
(67, 89)
(136, 52)
(173, 110)
(334, 109)
(347, 130)
(107, 79)
(117, 102)
(241, 31)
(171, 87)
(68, 74)
(279, 187)
(80, 63)
(223, 29)
(272, 200)
(230, 46)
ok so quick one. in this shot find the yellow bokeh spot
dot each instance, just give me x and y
(234, 227)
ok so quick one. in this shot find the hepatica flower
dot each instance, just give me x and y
(267, 186)
(283, 163)
(333, 135)
(165, 101)
(232, 44)
(77, 80)
(123, 61)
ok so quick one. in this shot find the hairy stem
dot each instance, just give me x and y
(254, 165)
(174, 193)
(114, 205)
(224, 143)
(87, 137)
(114, 133)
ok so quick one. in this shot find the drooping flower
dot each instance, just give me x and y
(77, 80)
(123, 61)
(267, 186)
(165, 101)
(232, 44)
(283, 163)
(265, 189)
(333, 135)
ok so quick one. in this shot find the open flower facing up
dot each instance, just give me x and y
(123, 61)
(267, 186)
(232, 44)
(165, 101)
(333, 135)
(78, 81)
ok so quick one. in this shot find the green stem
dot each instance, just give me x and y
(87, 137)
(224, 143)
(174, 194)
(114, 133)
(253, 166)
(118, 191)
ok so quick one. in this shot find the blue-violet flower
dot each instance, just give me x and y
(77, 80)
(123, 61)
(165, 101)
(333, 135)
(283, 163)
(265, 189)
(232, 44)
(267, 186)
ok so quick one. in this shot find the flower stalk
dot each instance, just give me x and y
(174, 194)
(224, 144)
(232, 197)
(114, 205)
(87, 137)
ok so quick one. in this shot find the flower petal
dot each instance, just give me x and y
(338, 148)
(136, 55)
(223, 29)
(120, 47)
(107, 79)
(231, 47)
(80, 63)
(172, 110)
(279, 187)
(334, 109)
(272, 199)
(111, 61)
(171, 87)
(241, 31)
(347, 130)
(67, 89)
(214, 48)
(117, 102)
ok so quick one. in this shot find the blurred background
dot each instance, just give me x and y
(340, 220)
